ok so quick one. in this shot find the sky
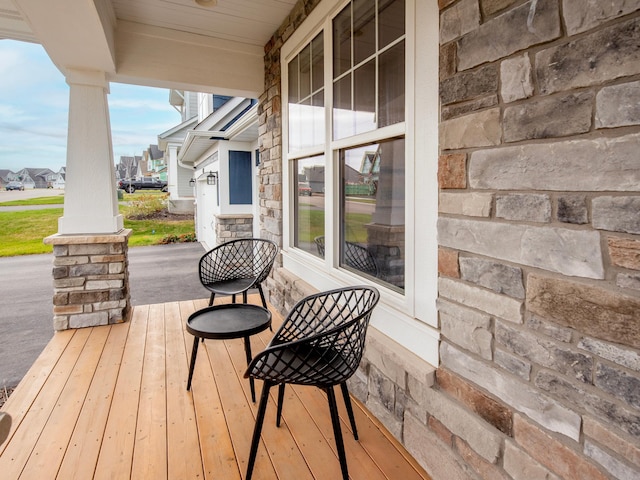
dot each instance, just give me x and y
(34, 107)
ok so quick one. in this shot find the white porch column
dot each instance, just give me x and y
(90, 200)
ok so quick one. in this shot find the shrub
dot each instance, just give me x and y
(145, 206)
(183, 238)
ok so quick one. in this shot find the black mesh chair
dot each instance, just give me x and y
(237, 266)
(355, 256)
(320, 343)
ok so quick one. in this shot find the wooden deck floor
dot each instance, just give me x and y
(111, 403)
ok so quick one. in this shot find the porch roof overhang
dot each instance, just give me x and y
(198, 141)
(175, 44)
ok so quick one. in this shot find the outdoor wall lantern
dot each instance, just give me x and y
(212, 178)
(192, 182)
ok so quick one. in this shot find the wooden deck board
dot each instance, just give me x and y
(111, 402)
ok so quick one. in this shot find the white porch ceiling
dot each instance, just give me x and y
(164, 43)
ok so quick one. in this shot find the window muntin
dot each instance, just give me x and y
(309, 205)
(372, 204)
(306, 96)
(368, 46)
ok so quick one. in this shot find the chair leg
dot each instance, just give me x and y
(264, 301)
(247, 351)
(194, 352)
(244, 297)
(213, 295)
(337, 432)
(255, 441)
(233, 298)
(280, 403)
(347, 403)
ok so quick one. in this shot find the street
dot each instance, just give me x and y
(158, 274)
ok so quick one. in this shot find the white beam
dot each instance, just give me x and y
(160, 57)
(77, 34)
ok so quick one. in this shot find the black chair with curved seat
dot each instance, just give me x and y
(320, 344)
(236, 266)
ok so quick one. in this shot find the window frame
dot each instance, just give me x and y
(406, 317)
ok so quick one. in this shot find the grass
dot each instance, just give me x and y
(55, 200)
(23, 231)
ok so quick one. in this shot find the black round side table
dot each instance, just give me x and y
(224, 322)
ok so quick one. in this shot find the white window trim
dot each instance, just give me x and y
(409, 318)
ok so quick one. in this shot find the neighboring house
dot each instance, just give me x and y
(156, 164)
(57, 180)
(34, 177)
(181, 193)
(127, 167)
(505, 223)
(220, 151)
(7, 176)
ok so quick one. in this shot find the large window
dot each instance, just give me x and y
(363, 144)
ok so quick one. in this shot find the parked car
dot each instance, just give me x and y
(15, 186)
(304, 189)
(131, 185)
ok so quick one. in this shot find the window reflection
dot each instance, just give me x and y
(309, 203)
(372, 211)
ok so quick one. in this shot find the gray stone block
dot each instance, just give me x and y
(466, 328)
(619, 383)
(524, 207)
(624, 280)
(622, 356)
(618, 105)
(470, 85)
(594, 59)
(516, 79)
(532, 23)
(565, 166)
(575, 252)
(473, 204)
(458, 20)
(558, 357)
(617, 214)
(458, 109)
(521, 396)
(573, 209)
(583, 15)
(549, 117)
(549, 329)
(494, 275)
(479, 129)
(619, 469)
(600, 405)
(501, 306)
(512, 364)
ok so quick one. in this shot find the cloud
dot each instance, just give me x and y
(34, 103)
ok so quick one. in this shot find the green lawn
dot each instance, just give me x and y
(54, 200)
(22, 232)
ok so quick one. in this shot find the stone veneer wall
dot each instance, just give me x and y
(90, 279)
(539, 261)
(232, 227)
(539, 233)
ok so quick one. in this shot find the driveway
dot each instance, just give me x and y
(158, 274)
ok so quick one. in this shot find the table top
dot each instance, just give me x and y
(232, 320)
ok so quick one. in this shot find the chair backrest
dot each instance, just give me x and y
(333, 325)
(241, 258)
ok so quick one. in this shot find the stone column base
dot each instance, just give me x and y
(232, 227)
(90, 279)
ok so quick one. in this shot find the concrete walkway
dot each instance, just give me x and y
(158, 274)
